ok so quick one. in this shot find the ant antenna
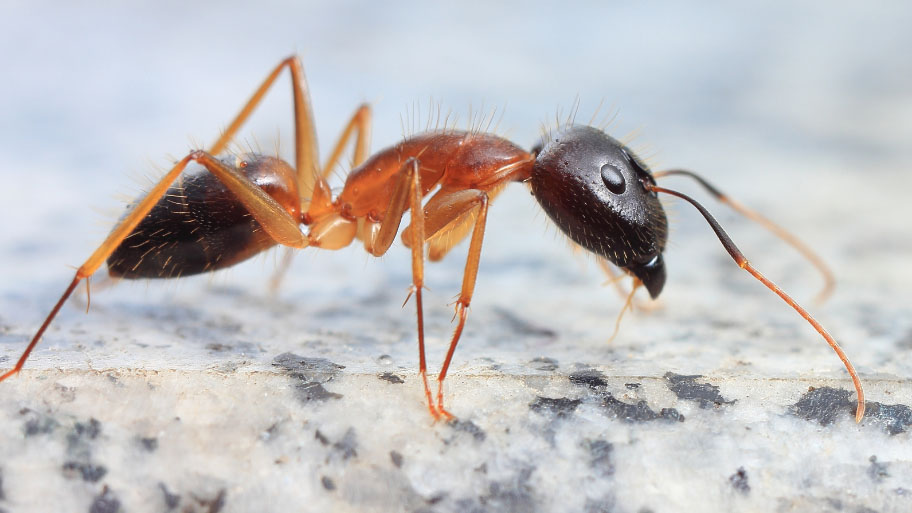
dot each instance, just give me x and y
(829, 281)
(742, 262)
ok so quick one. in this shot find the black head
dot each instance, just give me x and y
(591, 186)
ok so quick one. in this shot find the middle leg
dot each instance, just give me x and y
(445, 211)
(407, 193)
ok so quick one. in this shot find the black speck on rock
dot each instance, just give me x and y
(218, 347)
(687, 388)
(639, 412)
(79, 452)
(172, 500)
(396, 458)
(544, 363)
(213, 505)
(513, 495)
(824, 405)
(311, 392)
(601, 456)
(591, 378)
(79, 443)
(739, 482)
(38, 424)
(312, 369)
(877, 471)
(83, 431)
(328, 483)
(105, 502)
(149, 443)
(392, 378)
(88, 471)
(312, 374)
(347, 446)
(467, 426)
(558, 407)
(892, 418)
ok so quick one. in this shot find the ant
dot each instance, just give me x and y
(602, 196)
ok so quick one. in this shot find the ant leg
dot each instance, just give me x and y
(442, 241)
(408, 193)
(98, 285)
(445, 238)
(306, 156)
(444, 211)
(360, 121)
(628, 305)
(742, 262)
(828, 280)
(277, 222)
(614, 278)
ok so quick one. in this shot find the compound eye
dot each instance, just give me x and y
(613, 179)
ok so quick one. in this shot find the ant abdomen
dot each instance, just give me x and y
(592, 187)
(200, 225)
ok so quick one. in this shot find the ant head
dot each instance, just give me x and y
(592, 187)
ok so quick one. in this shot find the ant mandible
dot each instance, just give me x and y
(593, 187)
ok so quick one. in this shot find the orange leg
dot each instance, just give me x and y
(306, 155)
(829, 282)
(441, 212)
(277, 222)
(271, 215)
(360, 121)
(628, 305)
(407, 194)
(614, 278)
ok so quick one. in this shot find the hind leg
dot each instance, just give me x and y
(274, 219)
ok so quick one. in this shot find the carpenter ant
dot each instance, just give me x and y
(594, 188)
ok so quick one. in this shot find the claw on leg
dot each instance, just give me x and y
(440, 409)
(430, 399)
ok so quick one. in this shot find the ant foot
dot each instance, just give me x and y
(443, 411)
(435, 414)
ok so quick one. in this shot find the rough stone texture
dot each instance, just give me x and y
(211, 394)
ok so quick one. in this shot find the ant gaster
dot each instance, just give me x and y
(592, 186)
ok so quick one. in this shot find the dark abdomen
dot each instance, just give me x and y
(198, 226)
